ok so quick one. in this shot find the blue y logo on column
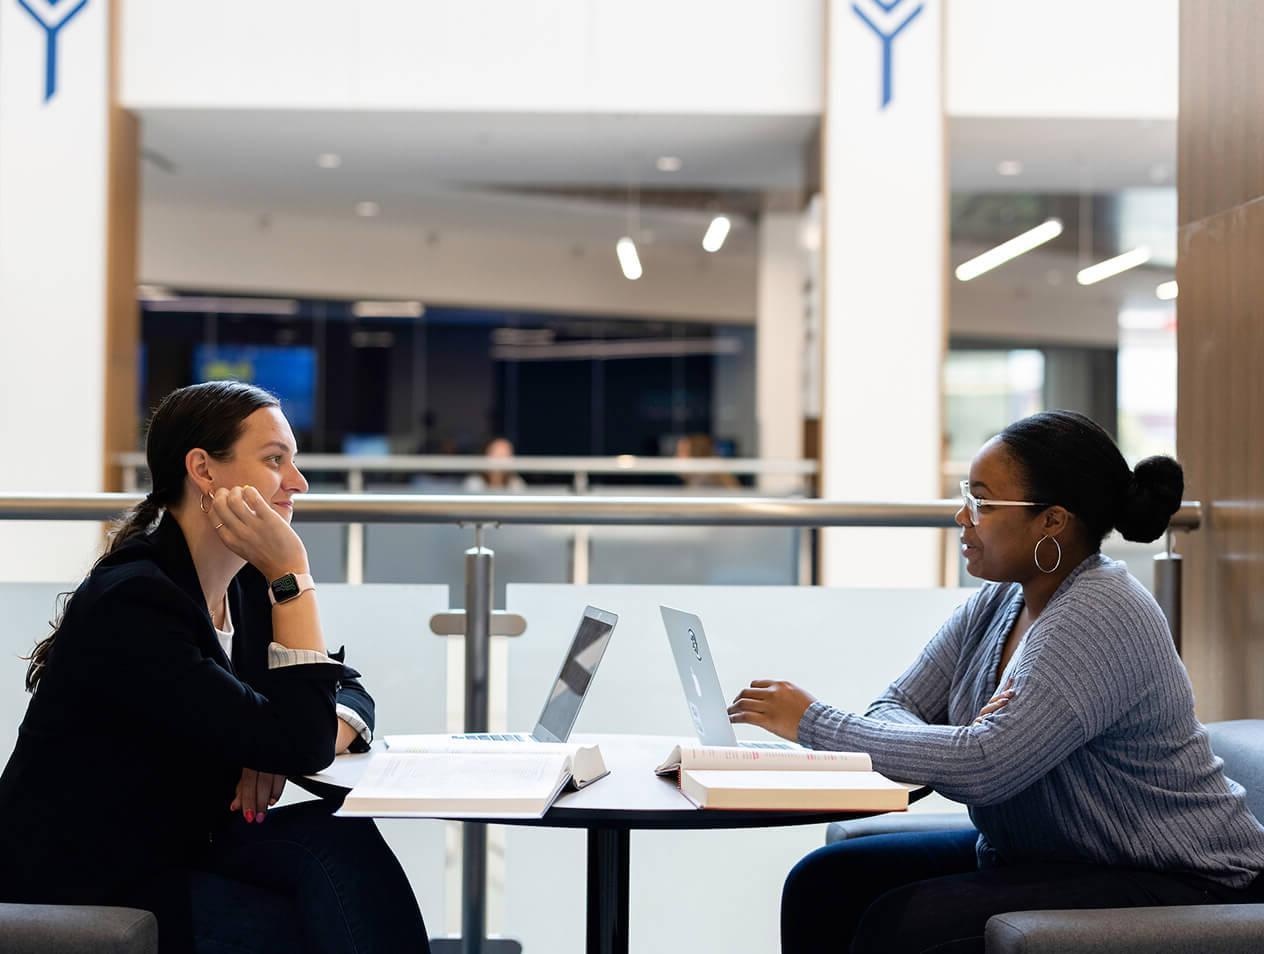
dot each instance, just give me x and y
(45, 13)
(887, 7)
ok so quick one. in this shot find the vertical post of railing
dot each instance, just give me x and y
(479, 571)
(582, 539)
(355, 533)
(1167, 588)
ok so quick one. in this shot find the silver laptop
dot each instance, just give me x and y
(561, 708)
(708, 706)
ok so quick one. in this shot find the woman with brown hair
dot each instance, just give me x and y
(187, 678)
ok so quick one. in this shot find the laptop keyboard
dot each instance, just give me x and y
(495, 737)
(764, 745)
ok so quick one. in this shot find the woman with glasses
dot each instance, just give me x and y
(1052, 703)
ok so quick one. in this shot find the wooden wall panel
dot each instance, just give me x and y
(1220, 139)
(122, 315)
(1220, 342)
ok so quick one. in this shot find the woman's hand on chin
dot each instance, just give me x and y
(250, 528)
(772, 704)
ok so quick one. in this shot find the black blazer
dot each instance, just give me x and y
(134, 740)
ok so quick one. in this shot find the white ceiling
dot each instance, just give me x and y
(1062, 155)
(398, 155)
(402, 158)
(460, 173)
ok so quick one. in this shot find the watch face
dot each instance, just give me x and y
(285, 588)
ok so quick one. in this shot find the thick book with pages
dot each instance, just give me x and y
(444, 776)
(782, 780)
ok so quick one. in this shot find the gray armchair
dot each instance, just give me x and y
(1209, 929)
(76, 929)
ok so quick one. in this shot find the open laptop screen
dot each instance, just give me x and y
(567, 695)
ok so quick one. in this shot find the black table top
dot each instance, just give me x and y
(633, 797)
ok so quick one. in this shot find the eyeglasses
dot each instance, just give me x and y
(973, 504)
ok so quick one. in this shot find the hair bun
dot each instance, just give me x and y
(1154, 493)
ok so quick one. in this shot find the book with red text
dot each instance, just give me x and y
(731, 777)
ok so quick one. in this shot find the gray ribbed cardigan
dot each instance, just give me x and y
(1098, 758)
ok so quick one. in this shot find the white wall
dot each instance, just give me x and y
(703, 56)
(1003, 57)
(52, 281)
(781, 346)
(227, 249)
(884, 250)
(1064, 58)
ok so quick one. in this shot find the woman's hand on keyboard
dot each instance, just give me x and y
(772, 704)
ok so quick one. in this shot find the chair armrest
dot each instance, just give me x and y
(893, 822)
(76, 929)
(1206, 928)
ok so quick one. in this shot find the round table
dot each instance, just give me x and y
(630, 797)
(633, 797)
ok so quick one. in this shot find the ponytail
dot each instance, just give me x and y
(209, 416)
(1153, 495)
(136, 521)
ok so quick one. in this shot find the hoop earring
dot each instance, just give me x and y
(202, 504)
(1036, 555)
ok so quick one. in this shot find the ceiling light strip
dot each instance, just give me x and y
(629, 261)
(1047, 231)
(1113, 266)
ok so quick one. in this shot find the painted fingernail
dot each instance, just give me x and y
(259, 818)
(250, 815)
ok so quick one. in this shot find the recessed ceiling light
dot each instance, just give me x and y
(329, 160)
(1165, 291)
(1009, 167)
(669, 164)
(367, 209)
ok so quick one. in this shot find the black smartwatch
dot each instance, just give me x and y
(289, 586)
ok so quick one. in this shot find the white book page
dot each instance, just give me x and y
(455, 745)
(455, 777)
(584, 762)
(718, 757)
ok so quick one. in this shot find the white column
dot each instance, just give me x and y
(779, 346)
(53, 193)
(883, 254)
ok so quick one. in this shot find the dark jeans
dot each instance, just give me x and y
(922, 891)
(302, 880)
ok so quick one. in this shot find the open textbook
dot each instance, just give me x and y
(444, 776)
(782, 779)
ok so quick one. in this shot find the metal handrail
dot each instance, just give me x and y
(559, 511)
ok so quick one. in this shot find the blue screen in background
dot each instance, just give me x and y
(289, 373)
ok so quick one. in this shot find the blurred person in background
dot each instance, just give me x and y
(496, 481)
(699, 447)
